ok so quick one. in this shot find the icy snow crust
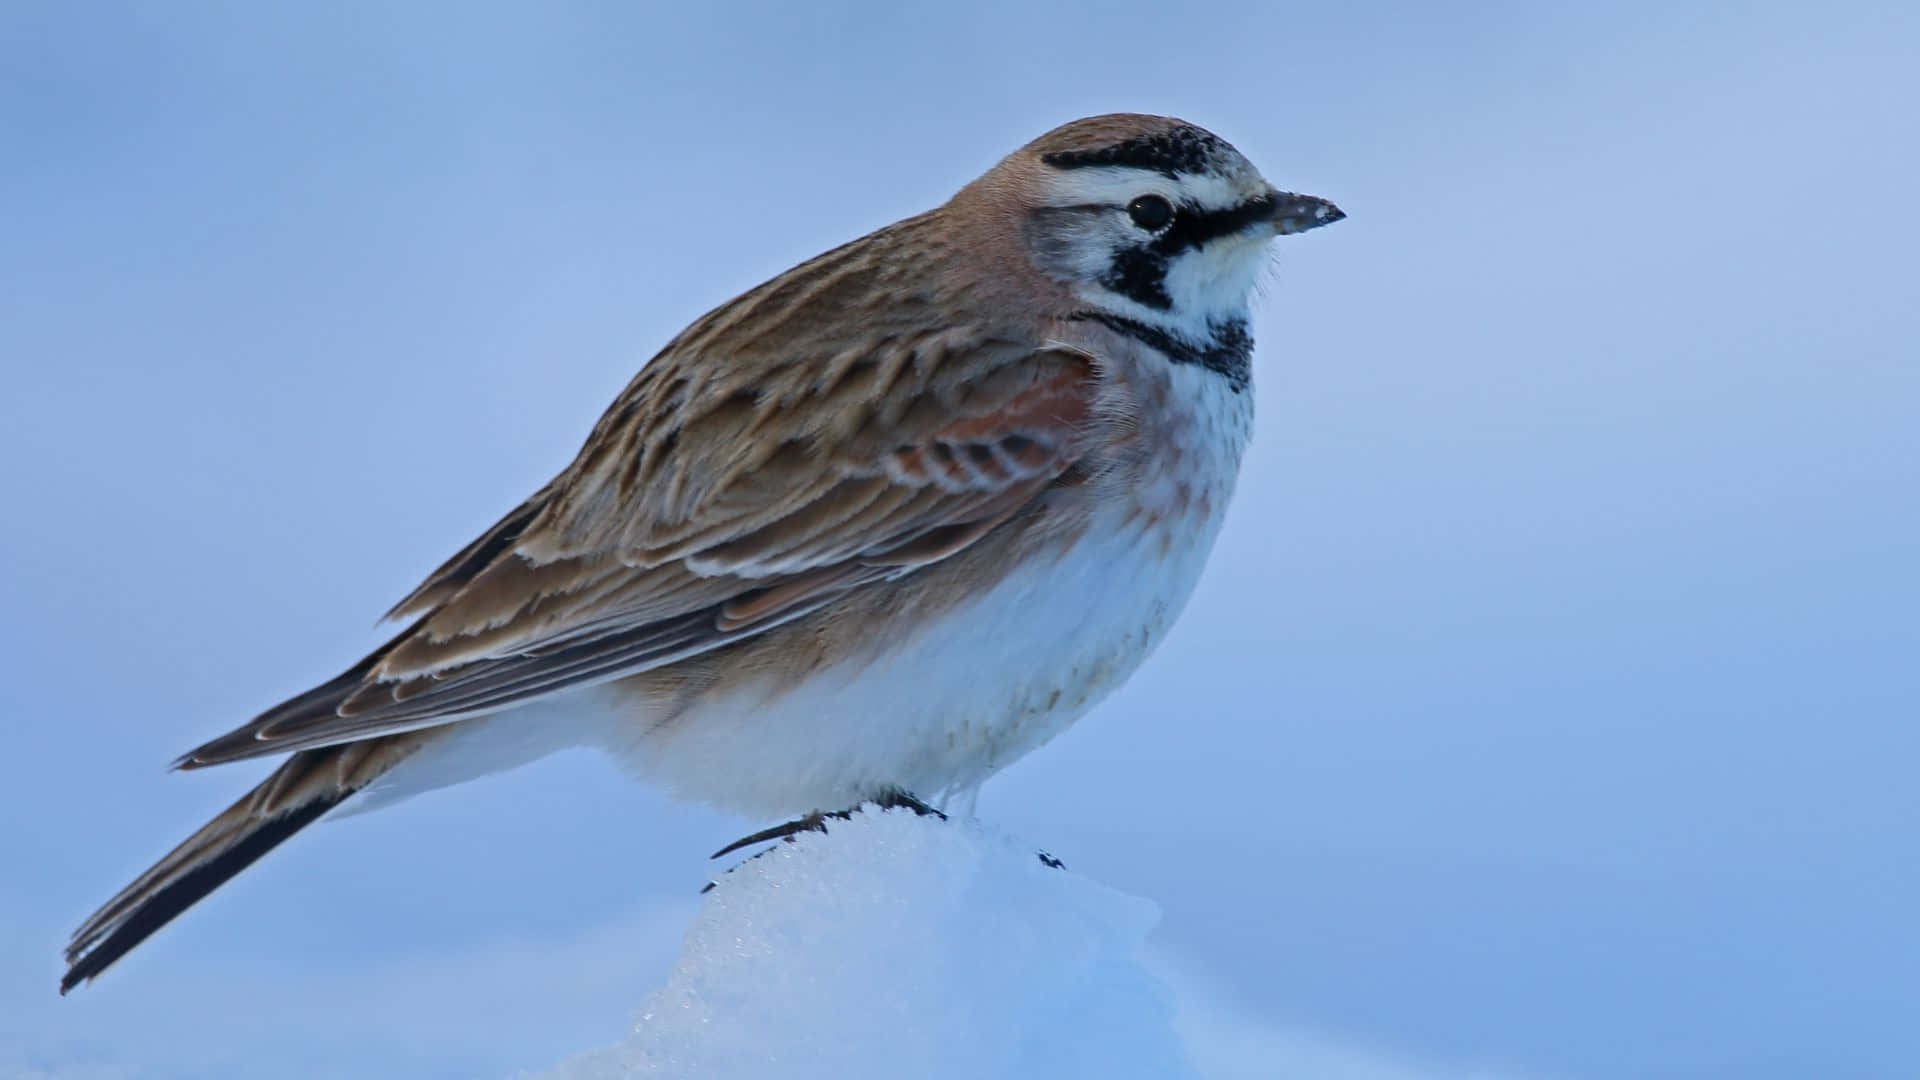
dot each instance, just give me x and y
(899, 946)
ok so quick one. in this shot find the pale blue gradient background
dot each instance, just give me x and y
(1550, 700)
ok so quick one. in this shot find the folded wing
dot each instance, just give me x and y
(712, 503)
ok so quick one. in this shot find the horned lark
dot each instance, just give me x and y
(879, 526)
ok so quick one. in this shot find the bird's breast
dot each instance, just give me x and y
(938, 695)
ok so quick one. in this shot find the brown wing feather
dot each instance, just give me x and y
(457, 571)
(707, 508)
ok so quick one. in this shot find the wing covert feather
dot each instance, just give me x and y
(707, 507)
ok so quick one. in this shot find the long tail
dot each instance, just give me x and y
(299, 792)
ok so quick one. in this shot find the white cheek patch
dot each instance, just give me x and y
(1217, 277)
(1094, 243)
(1204, 287)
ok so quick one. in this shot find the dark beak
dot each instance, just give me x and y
(1298, 213)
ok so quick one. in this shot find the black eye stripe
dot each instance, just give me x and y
(1193, 227)
(1139, 272)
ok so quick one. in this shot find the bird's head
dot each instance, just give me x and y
(1152, 219)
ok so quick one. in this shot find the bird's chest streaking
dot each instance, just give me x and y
(954, 696)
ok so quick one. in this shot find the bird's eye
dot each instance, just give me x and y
(1150, 212)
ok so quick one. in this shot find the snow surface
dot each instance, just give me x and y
(893, 946)
(899, 946)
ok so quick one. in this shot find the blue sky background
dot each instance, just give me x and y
(1549, 702)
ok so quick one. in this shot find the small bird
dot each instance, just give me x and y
(871, 530)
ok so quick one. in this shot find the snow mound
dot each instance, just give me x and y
(896, 946)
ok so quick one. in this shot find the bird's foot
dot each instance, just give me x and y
(900, 800)
(817, 821)
(814, 822)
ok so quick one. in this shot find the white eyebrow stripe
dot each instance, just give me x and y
(1114, 185)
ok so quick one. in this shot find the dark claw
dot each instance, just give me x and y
(900, 800)
(817, 821)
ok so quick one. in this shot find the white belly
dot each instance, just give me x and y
(948, 707)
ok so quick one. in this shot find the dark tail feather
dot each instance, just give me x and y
(297, 794)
